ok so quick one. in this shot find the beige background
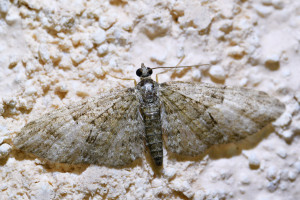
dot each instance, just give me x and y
(53, 53)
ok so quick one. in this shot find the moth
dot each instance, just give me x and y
(112, 129)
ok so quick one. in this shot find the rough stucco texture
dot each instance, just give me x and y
(53, 53)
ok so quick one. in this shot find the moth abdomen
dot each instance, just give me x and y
(154, 135)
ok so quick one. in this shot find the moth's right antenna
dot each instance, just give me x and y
(176, 67)
(186, 66)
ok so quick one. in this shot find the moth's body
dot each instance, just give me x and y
(148, 96)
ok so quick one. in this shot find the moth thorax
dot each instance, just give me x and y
(149, 92)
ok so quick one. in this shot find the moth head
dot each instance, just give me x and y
(144, 71)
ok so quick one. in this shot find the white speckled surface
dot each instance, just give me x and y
(55, 52)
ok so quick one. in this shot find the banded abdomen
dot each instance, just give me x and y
(151, 115)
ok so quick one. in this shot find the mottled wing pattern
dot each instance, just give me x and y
(196, 116)
(106, 130)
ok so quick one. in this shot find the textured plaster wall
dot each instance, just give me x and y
(53, 53)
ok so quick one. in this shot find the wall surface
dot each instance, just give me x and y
(53, 53)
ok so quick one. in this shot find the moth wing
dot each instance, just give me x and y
(196, 116)
(106, 130)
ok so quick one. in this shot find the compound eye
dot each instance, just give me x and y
(149, 71)
(139, 72)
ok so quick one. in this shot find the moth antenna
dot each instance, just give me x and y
(124, 79)
(175, 67)
(184, 66)
(121, 78)
(178, 65)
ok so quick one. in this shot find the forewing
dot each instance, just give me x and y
(106, 130)
(196, 116)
